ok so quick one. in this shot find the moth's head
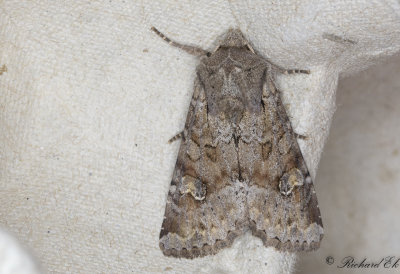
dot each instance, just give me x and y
(234, 38)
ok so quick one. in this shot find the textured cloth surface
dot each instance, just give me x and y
(14, 259)
(358, 177)
(91, 96)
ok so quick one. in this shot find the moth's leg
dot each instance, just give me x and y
(176, 137)
(250, 48)
(293, 71)
(189, 49)
(300, 136)
(289, 71)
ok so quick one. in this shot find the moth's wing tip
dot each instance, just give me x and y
(185, 253)
(292, 246)
(205, 250)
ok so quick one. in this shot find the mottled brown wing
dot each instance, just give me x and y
(282, 204)
(204, 210)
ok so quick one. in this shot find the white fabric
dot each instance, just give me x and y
(91, 96)
(14, 259)
(358, 178)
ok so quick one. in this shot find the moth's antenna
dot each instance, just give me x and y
(196, 51)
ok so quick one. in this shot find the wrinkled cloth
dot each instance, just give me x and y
(90, 96)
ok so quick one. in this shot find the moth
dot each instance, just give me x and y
(239, 165)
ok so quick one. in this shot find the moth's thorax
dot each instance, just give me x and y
(241, 55)
(232, 79)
